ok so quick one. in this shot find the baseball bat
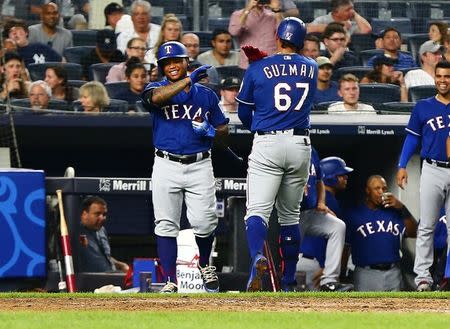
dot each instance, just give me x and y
(65, 243)
(234, 155)
(271, 265)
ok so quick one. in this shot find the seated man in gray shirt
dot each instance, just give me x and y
(94, 250)
(221, 53)
(48, 32)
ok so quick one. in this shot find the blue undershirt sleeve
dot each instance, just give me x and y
(245, 113)
(409, 146)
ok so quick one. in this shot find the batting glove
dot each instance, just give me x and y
(253, 54)
(199, 73)
(203, 127)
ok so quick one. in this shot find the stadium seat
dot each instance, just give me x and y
(358, 71)
(53, 104)
(74, 54)
(377, 93)
(365, 55)
(420, 92)
(99, 71)
(402, 24)
(397, 108)
(115, 88)
(360, 42)
(172, 6)
(218, 23)
(321, 107)
(75, 83)
(84, 37)
(230, 71)
(37, 70)
(312, 9)
(414, 42)
(115, 105)
(367, 10)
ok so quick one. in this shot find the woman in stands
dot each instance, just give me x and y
(437, 31)
(93, 97)
(56, 78)
(171, 30)
(137, 77)
(383, 72)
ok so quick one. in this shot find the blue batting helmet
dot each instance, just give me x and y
(333, 167)
(171, 49)
(292, 30)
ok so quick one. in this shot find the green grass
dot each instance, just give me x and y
(213, 320)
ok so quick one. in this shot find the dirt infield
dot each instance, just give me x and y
(233, 303)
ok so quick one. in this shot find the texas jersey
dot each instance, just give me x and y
(172, 122)
(430, 120)
(374, 235)
(281, 89)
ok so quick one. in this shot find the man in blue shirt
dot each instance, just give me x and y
(327, 90)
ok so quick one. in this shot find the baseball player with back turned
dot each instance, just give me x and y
(186, 118)
(429, 124)
(274, 102)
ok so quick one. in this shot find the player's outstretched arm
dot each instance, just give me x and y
(160, 95)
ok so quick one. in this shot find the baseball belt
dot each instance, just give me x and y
(295, 132)
(183, 159)
(437, 163)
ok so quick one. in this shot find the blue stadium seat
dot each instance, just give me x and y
(84, 37)
(402, 24)
(397, 107)
(218, 23)
(53, 104)
(74, 54)
(99, 71)
(360, 42)
(414, 42)
(37, 70)
(172, 6)
(75, 83)
(309, 10)
(421, 92)
(230, 71)
(115, 105)
(365, 55)
(358, 71)
(115, 88)
(377, 93)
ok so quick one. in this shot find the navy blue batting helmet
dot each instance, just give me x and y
(171, 49)
(333, 167)
(292, 30)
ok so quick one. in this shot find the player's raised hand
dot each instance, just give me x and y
(253, 53)
(199, 73)
(402, 178)
(202, 127)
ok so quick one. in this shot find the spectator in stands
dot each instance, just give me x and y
(40, 94)
(430, 55)
(287, 8)
(343, 12)
(221, 53)
(94, 249)
(327, 90)
(142, 26)
(391, 43)
(311, 47)
(192, 43)
(56, 78)
(229, 88)
(446, 44)
(17, 31)
(136, 47)
(171, 30)
(116, 19)
(383, 72)
(14, 81)
(8, 46)
(254, 25)
(349, 91)
(105, 51)
(93, 97)
(375, 230)
(437, 31)
(80, 19)
(335, 41)
(48, 32)
(137, 77)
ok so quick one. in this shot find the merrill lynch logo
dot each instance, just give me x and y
(231, 185)
(108, 185)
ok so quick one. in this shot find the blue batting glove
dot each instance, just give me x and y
(199, 73)
(203, 128)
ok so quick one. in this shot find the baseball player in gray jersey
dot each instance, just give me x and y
(429, 124)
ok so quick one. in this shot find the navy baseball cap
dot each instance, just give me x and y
(230, 83)
(106, 40)
(113, 7)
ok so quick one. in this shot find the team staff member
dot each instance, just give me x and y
(375, 230)
(429, 124)
(186, 118)
(274, 102)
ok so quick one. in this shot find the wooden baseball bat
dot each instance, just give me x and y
(65, 243)
(271, 265)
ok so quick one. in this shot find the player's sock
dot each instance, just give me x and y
(167, 253)
(290, 246)
(204, 247)
(256, 235)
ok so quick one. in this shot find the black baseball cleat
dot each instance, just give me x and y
(423, 286)
(209, 277)
(259, 267)
(336, 286)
